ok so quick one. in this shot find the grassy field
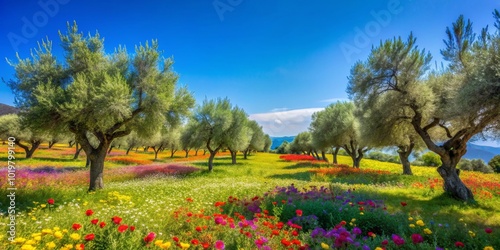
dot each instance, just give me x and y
(263, 202)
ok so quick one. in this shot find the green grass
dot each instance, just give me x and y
(149, 203)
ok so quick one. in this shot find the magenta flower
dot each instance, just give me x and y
(219, 245)
(398, 240)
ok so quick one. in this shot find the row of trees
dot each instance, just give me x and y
(100, 97)
(398, 101)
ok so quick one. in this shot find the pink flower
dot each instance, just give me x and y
(488, 230)
(219, 245)
(149, 238)
(459, 244)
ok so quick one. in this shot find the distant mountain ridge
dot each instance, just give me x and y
(277, 141)
(473, 151)
(7, 109)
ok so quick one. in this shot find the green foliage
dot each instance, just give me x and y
(474, 165)
(494, 163)
(379, 156)
(431, 159)
(283, 148)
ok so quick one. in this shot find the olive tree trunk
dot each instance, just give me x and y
(29, 151)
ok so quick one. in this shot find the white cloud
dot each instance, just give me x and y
(332, 100)
(285, 123)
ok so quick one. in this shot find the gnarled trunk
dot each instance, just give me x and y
(453, 185)
(187, 152)
(29, 151)
(404, 153)
(77, 152)
(233, 156)
(52, 143)
(172, 153)
(96, 158)
(335, 153)
(128, 150)
(323, 156)
(211, 161)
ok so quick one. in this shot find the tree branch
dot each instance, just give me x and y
(446, 129)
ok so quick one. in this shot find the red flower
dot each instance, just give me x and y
(80, 247)
(50, 201)
(205, 245)
(189, 199)
(117, 220)
(275, 203)
(150, 237)
(403, 204)
(89, 212)
(122, 228)
(195, 242)
(102, 224)
(384, 242)
(298, 212)
(459, 244)
(76, 226)
(175, 238)
(488, 230)
(89, 237)
(286, 242)
(417, 238)
(132, 228)
(198, 228)
(220, 203)
(94, 221)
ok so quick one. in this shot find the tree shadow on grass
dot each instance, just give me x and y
(302, 176)
(306, 165)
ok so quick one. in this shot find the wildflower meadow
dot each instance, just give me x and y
(267, 201)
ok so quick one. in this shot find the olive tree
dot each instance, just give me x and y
(94, 93)
(460, 102)
(213, 118)
(239, 135)
(29, 140)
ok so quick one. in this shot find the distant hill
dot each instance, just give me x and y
(6, 109)
(481, 152)
(473, 151)
(277, 141)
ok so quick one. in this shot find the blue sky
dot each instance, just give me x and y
(279, 60)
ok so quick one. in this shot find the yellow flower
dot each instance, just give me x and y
(158, 242)
(412, 225)
(47, 231)
(19, 240)
(353, 220)
(461, 219)
(79, 247)
(67, 247)
(420, 223)
(427, 231)
(65, 230)
(75, 236)
(30, 242)
(185, 245)
(379, 248)
(37, 238)
(28, 247)
(58, 234)
(410, 218)
(51, 245)
(43, 205)
(33, 218)
(325, 246)
(472, 234)
(361, 213)
(166, 245)
(488, 248)
(56, 228)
